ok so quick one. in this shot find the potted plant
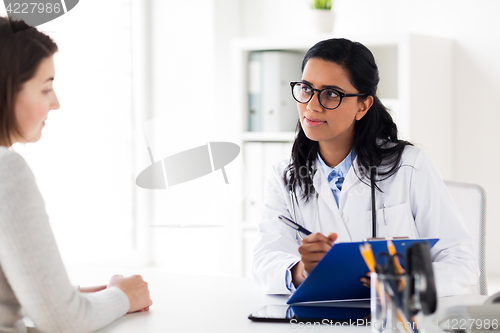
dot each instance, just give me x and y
(321, 16)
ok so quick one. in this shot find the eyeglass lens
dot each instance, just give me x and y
(302, 92)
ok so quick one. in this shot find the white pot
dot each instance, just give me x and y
(321, 20)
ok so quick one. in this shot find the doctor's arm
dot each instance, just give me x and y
(437, 216)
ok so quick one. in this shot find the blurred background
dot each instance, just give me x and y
(172, 75)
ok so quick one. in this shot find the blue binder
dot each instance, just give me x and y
(336, 277)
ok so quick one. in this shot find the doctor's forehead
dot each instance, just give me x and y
(322, 73)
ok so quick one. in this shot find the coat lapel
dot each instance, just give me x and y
(351, 177)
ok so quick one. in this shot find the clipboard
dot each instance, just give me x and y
(336, 276)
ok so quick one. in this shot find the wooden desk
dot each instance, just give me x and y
(186, 303)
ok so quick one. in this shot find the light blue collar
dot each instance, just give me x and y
(340, 170)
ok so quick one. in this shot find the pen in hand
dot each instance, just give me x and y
(311, 251)
(294, 225)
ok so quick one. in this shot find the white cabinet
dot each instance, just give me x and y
(415, 85)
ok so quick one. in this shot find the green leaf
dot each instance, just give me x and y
(322, 4)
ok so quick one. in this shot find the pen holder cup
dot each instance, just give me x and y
(389, 295)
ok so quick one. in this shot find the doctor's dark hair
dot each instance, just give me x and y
(20, 55)
(376, 136)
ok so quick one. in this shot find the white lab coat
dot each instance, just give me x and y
(415, 203)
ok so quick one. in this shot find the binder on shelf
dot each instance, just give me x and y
(336, 277)
(254, 91)
(279, 108)
(271, 107)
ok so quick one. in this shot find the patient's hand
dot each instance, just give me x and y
(136, 290)
(102, 287)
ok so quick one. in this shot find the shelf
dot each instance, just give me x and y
(268, 136)
(303, 43)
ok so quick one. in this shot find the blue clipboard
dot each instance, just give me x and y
(336, 277)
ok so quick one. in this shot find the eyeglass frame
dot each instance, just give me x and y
(340, 93)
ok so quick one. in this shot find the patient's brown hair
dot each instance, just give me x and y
(20, 55)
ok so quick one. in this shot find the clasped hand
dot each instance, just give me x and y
(134, 287)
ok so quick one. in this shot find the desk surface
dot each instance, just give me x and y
(186, 303)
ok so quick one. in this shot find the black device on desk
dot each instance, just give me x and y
(322, 315)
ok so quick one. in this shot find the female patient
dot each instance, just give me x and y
(32, 275)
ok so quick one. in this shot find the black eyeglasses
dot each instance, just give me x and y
(329, 98)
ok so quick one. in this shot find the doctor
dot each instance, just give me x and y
(347, 139)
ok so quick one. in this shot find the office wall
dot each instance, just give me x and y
(190, 94)
(475, 29)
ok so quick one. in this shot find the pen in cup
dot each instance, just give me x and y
(294, 225)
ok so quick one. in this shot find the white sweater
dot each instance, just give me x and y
(32, 274)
